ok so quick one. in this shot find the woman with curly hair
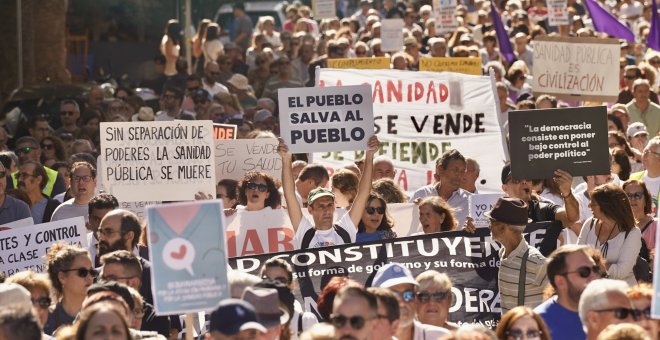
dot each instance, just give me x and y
(375, 224)
(256, 191)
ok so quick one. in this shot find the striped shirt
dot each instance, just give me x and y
(535, 280)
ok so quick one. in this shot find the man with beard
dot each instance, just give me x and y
(570, 269)
(83, 184)
(98, 207)
(32, 179)
(354, 313)
(399, 280)
(120, 230)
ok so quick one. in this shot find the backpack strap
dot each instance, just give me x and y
(307, 238)
(521, 278)
(343, 234)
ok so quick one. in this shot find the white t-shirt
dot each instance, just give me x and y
(653, 184)
(325, 238)
(69, 209)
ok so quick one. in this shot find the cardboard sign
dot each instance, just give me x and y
(224, 131)
(138, 208)
(391, 34)
(326, 119)
(158, 161)
(324, 9)
(420, 115)
(479, 204)
(445, 16)
(360, 63)
(188, 252)
(28, 221)
(25, 248)
(571, 139)
(233, 158)
(557, 13)
(577, 68)
(458, 65)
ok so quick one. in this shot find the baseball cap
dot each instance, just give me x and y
(636, 128)
(202, 94)
(262, 115)
(234, 315)
(393, 274)
(506, 173)
(318, 193)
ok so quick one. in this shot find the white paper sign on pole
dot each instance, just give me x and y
(478, 205)
(324, 9)
(25, 248)
(577, 68)
(445, 16)
(158, 161)
(420, 115)
(326, 119)
(391, 33)
(557, 13)
(235, 157)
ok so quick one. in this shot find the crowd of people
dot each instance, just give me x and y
(595, 285)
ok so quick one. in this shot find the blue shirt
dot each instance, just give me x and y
(13, 210)
(562, 323)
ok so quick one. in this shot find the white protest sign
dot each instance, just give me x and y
(557, 13)
(158, 161)
(138, 208)
(235, 157)
(28, 221)
(391, 34)
(270, 230)
(479, 204)
(326, 119)
(420, 115)
(445, 18)
(324, 9)
(25, 248)
(577, 68)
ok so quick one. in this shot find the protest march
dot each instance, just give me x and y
(335, 169)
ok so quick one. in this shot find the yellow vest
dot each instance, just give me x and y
(48, 189)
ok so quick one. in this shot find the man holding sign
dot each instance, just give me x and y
(321, 205)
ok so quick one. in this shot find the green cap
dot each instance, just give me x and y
(318, 193)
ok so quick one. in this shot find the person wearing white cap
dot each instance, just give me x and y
(399, 280)
(638, 135)
(651, 176)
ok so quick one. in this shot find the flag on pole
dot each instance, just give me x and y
(605, 22)
(653, 40)
(502, 37)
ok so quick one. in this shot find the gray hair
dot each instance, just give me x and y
(266, 103)
(594, 296)
(639, 82)
(238, 281)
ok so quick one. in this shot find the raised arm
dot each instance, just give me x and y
(571, 210)
(364, 188)
(289, 186)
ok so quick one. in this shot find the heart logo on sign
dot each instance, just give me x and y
(180, 254)
(178, 217)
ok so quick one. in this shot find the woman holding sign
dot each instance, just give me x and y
(71, 272)
(375, 224)
(612, 230)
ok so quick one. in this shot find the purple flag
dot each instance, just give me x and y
(502, 36)
(653, 40)
(605, 22)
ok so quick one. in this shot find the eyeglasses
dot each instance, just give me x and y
(26, 150)
(636, 196)
(106, 232)
(356, 322)
(622, 313)
(372, 210)
(406, 295)
(517, 334)
(67, 113)
(47, 146)
(24, 174)
(84, 179)
(437, 297)
(646, 152)
(585, 271)
(256, 186)
(83, 272)
(42, 302)
(646, 313)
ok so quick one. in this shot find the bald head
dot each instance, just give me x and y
(211, 72)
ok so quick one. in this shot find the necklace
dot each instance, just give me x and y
(604, 246)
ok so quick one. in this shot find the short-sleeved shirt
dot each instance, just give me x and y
(562, 323)
(458, 200)
(510, 270)
(57, 317)
(542, 210)
(13, 210)
(70, 209)
(325, 238)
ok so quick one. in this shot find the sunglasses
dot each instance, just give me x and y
(25, 150)
(84, 272)
(623, 313)
(406, 295)
(47, 146)
(255, 186)
(636, 196)
(280, 279)
(437, 297)
(43, 302)
(372, 210)
(585, 271)
(630, 77)
(517, 334)
(67, 113)
(356, 322)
